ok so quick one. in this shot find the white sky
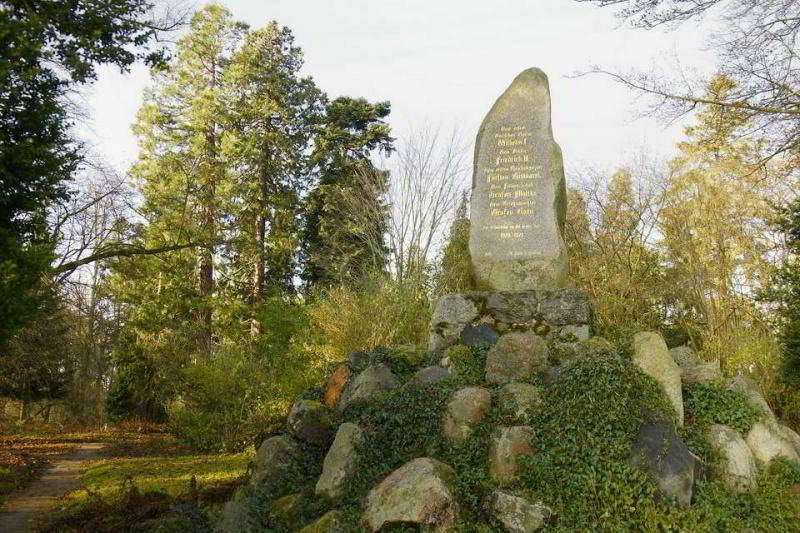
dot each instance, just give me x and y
(444, 62)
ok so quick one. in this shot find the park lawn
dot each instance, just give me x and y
(146, 480)
(171, 473)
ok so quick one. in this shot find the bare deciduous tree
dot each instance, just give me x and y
(426, 177)
(757, 45)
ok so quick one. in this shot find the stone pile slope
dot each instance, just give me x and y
(517, 420)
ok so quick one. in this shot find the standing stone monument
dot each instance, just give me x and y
(518, 192)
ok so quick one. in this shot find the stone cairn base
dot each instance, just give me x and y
(534, 336)
(483, 316)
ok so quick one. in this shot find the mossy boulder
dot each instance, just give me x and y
(274, 461)
(330, 522)
(420, 492)
(376, 378)
(311, 422)
(517, 514)
(465, 410)
(651, 355)
(508, 446)
(519, 401)
(340, 461)
(517, 356)
(738, 466)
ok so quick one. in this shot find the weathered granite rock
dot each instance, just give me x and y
(750, 389)
(564, 307)
(336, 385)
(704, 372)
(767, 439)
(374, 379)
(653, 358)
(739, 468)
(419, 492)
(516, 357)
(431, 374)
(575, 333)
(465, 410)
(330, 522)
(310, 421)
(684, 356)
(564, 352)
(274, 461)
(792, 436)
(518, 201)
(476, 316)
(519, 399)
(452, 314)
(479, 334)
(234, 517)
(340, 461)
(508, 444)
(518, 515)
(510, 307)
(287, 508)
(659, 451)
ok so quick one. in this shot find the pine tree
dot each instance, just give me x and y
(169, 299)
(786, 292)
(272, 111)
(334, 249)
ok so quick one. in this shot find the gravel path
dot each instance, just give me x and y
(19, 512)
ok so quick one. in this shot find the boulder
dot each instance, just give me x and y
(330, 522)
(767, 439)
(739, 468)
(575, 333)
(790, 435)
(562, 307)
(431, 374)
(659, 451)
(750, 389)
(479, 334)
(373, 380)
(234, 517)
(519, 399)
(516, 357)
(512, 307)
(274, 461)
(310, 422)
(684, 357)
(465, 410)
(336, 384)
(420, 492)
(287, 509)
(650, 354)
(452, 313)
(340, 461)
(701, 373)
(508, 444)
(516, 514)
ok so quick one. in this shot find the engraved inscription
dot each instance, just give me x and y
(510, 176)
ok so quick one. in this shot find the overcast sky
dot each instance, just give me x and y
(444, 62)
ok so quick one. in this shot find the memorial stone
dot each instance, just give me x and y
(518, 200)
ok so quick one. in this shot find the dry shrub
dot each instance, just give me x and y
(379, 311)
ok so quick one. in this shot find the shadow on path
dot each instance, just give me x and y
(19, 511)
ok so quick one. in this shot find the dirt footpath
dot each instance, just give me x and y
(20, 510)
